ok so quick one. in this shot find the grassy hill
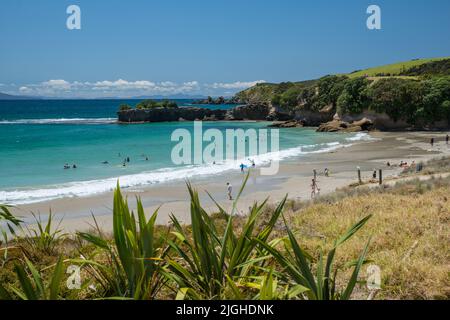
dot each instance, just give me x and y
(407, 70)
(393, 69)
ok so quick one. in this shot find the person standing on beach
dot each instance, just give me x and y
(242, 167)
(447, 138)
(432, 142)
(315, 174)
(229, 191)
(314, 187)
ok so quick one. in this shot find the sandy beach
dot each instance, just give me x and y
(294, 179)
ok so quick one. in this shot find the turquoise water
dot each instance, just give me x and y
(38, 138)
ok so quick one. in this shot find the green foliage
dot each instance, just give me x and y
(136, 258)
(32, 284)
(45, 237)
(7, 217)
(124, 107)
(353, 97)
(215, 265)
(434, 68)
(150, 104)
(329, 90)
(436, 98)
(322, 284)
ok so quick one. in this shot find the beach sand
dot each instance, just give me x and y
(294, 179)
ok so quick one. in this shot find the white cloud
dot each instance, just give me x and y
(126, 88)
(24, 89)
(123, 85)
(235, 85)
(57, 84)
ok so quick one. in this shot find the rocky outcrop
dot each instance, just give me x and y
(287, 124)
(169, 115)
(383, 122)
(249, 112)
(342, 126)
(255, 112)
(313, 118)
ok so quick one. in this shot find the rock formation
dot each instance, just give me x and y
(342, 126)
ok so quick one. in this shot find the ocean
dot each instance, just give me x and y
(37, 138)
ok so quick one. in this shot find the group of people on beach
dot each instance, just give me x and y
(315, 189)
(243, 166)
(433, 140)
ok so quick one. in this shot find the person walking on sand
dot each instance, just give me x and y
(242, 167)
(229, 191)
(432, 142)
(447, 138)
(326, 172)
(315, 174)
(314, 188)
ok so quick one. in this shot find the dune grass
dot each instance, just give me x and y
(410, 233)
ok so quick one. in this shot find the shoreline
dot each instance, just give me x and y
(294, 179)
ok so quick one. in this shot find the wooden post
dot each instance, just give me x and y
(381, 176)
(359, 175)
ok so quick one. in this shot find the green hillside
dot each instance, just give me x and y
(417, 92)
(393, 69)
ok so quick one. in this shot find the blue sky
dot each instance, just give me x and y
(136, 47)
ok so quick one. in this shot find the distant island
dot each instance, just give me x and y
(4, 96)
(413, 95)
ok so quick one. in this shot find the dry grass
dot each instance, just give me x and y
(410, 235)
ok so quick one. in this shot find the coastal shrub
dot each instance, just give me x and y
(135, 259)
(297, 265)
(398, 98)
(43, 237)
(6, 217)
(353, 97)
(33, 286)
(124, 107)
(213, 265)
(329, 90)
(150, 104)
(434, 68)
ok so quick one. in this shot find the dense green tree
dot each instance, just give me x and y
(353, 98)
(436, 98)
(398, 98)
(329, 90)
